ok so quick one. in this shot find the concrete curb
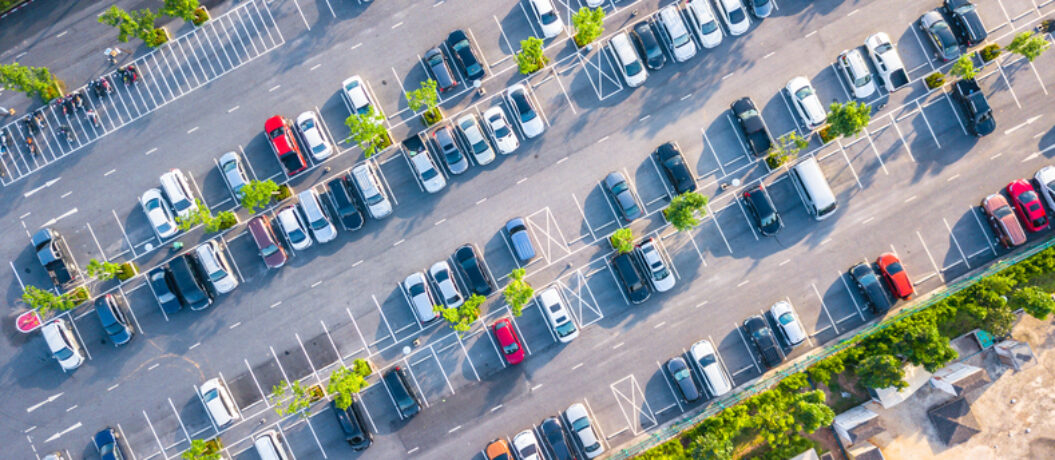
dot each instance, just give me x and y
(12, 10)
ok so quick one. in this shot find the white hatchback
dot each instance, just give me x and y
(807, 104)
(853, 67)
(523, 109)
(178, 192)
(321, 228)
(787, 323)
(481, 150)
(526, 446)
(308, 124)
(501, 133)
(218, 402)
(547, 17)
(441, 275)
(420, 296)
(158, 214)
(552, 303)
(293, 226)
(704, 24)
(214, 264)
(659, 274)
(630, 65)
(579, 424)
(357, 98)
(431, 179)
(734, 15)
(678, 38)
(63, 346)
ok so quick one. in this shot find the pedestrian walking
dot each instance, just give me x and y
(112, 53)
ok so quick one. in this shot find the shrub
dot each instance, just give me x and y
(964, 67)
(1028, 45)
(849, 118)
(826, 134)
(200, 16)
(345, 383)
(223, 221)
(201, 450)
(935, 80)
(622, 240)
(990, 52)
(785, 149)
(368, 131)
(128, 270)
(518, 292)
(462, 317)
(589, 25)
(156, 37)
(258, 194)
(530, 58)
(284, 191)
(299, 398)
(681, 213)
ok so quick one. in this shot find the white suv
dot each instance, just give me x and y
(714, 377)
(807, 104)
(321, 227)
(420, 297)
(218, 402)
(579, 424)
(215, 266)
(478, 145)
(701, 19)
(630, 65)
(370, 189)
(552, 303)
(308, 124)
(174, 184)
(293, 226)
(734, 15)
(659, 274)
(677, 36)
(357, 98)
(63, 345)
(852, 65)
(501, 133)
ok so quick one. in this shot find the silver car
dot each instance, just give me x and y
(478, 146)
(710, 368)
(498, 127)
(420, 296)
(294, 228)
(308, 124)
(370, 189)
(321, 228)
(441, 275)
(158, 214)
(579, 424)
(234, 173)
(214, 264)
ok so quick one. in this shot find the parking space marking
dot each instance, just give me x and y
(956, 241)
(919, 41)
(736, 131)
(644, 409)
(825, 308)
(714, 219)
(666, 379)
(974, 212)
(415, 379)
(937, 270)
(180, 419)
(263, 396)
(747, 348)
(1007, 82)
(842, 85)
(155, 433)
(316, 436)
(860, 311)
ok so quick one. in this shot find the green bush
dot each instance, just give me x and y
(935, 80)
(682, 210)
(200, 16)
(156, 37)
(530, 58)
(990, 52)
(622, 240)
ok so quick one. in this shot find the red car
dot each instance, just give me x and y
(282, 142)
(1027, 205)
(895, 276)
(508, 340)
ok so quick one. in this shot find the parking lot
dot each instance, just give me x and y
(915, 146)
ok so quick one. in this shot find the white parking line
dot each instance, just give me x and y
(736, 132)
(956, 241)
(849, 165)
(748, 348)
(263, 396)
(155, 433)
(666, 379)
(180, 419)
(937, 270)
(860, 311)
(418, 386)
(316, 436)
(127, 445)
(583, 213)
(825, 308)
(956, 113)
(988, 240)
(714, 218)
(1007, 82)
(387, 326)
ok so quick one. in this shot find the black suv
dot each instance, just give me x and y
(752, 126)
(976, 108)
(553, 436)
(674, 167)
(645, 41)
(871, 288)
(477, 276)
(966, 23)
(465, 56)
(762, 337)
(54, 254)
(398, 384)
(761, 208)
(349, 212)
(351, 423)
(189, 285)
(629, 276)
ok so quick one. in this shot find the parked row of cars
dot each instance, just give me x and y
(564, 437)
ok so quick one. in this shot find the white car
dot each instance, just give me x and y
(441, 275)
(552, 303)
(308, 124)
(218, 402)
(421, 299)
(888, 63)
(806, 103)
(853, 67)
(659, 275)
(703, 23)
(630, 65)
(214, 264)
(478, 146)
(547, 17)
(174, 185)
(1045, 178)
(524, 111)
(787, 323)
(501, 133)
(370, 189)
(357, 98)
(293, 226)
(321, 228)
(734, 15)
(158, 214)
(431, 179)
(706, 360)
(673, 27)
(233, 173)
(594, 3)
(579, 424)
(62, 344)
(525, 445)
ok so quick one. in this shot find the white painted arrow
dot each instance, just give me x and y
(67, 430)
(42, 187)
(64, 215)
(37, 405)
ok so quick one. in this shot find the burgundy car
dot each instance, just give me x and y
(508, 340)
(264, 237)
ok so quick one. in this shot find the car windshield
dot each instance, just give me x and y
(1027, 196)
(181, 205)
(211, 395)
(106, 450)
(749, 113)
(680, 40)
(768, 220)
(526, 113)
(883, 48)
(217, 275)
(64, 353)
(580, 424)
(619, 187)
(502, 130)
(417, 289)
(894, 268)
(565, 329)
(786, 318)
(167, 297)
(319, 224)
(549, 18)
(863, 80)
(318, 148)
(634, 68)
(374, 199)
(528, 451)
(276, 132)
(682, 375)
(271, 249)
(164, 227)
(736, 16)
(296, 235)
(803, 92)
(114, 328)
(307, 125)
(709, 27)
(632, 210)
(511, 348)
(1002, 212)
(761, 3)
(1040, 221)
(441, 276)
(480, 147)
(429, 174)
(707, 360)
(964, 9)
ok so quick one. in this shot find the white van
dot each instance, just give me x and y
(553, 306)
(269, 446)
(813, 188)
(630, 65)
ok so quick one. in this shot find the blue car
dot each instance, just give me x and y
(111, 311)
(106, 442)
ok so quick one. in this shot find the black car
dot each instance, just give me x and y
(351, 422)
(624, 197)
(761, 209)
(165, 291)
(107, 444)
(465, 56)
(628, 274)
(189, 285)
(54, 254)
(477, 276)
(871, 288)
(440, 71)
(965, 22)
(644, 39)
(762, 337)
(111, 311)
(976, 108)
(553, 436)
(674, 167)
(940, 36)
(752, 126)
(343, 199)
(450, 152)
(399, 386)
(682, 377)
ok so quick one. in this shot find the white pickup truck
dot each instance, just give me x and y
(887, 61)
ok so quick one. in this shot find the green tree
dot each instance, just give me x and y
(1034, 301)
(785, 149)
(258, 194)
(145, 21)
(183, 9)
(825, 369)
(712, 446)
(881, 371)
(849, 118)
(530, 57)
(681, 213)
(46, 302)
(102, 270)
(117, 17)
(589, 25)
(344, 382)
(222, 221)
(921, 344)
(199, 450)
(428, 99)
(462, 317)
(622, 240)
(299, 399)
(368, 131)
(964, 68)
(1029, 45)
(200, 215)
(518, 292)
(33, 81)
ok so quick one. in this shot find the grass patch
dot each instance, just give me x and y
(8, 5)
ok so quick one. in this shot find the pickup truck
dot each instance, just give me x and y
(976, 108)
(54, 254)
(278, 132)
(887, 61)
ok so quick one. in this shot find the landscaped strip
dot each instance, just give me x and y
(766, 422)
(8, 5)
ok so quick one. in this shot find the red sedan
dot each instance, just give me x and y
(285, 147)
(1027, 205)
(895, 276)
(508, 340)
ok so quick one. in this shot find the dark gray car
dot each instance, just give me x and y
(682, 377)
(623, 196)
(440, 69)
(871, 288)
(449, 150)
